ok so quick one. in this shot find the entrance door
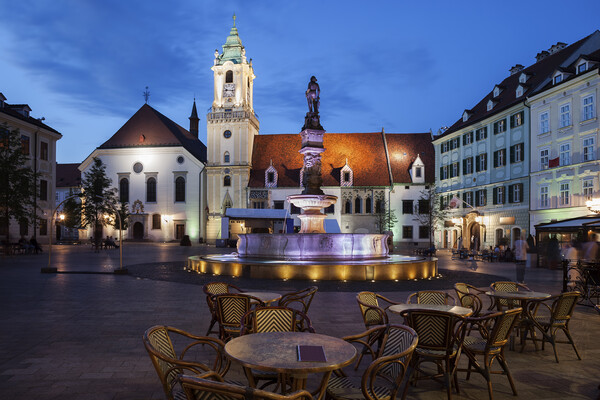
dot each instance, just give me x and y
(179, 231)
(475, 237)
(138, 231)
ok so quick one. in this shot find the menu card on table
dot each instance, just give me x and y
(311, 353)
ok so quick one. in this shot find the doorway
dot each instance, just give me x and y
(138, 231)
(179, 231)
(475, 237)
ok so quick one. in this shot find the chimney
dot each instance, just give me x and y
(516, 68)
(541, 55)
(557, 47)
(194, 120)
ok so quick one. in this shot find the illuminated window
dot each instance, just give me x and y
(588, 188)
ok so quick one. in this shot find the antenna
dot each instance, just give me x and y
(146, 95)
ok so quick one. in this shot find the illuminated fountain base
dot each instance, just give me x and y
(394, 267)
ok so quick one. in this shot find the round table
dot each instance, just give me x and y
(278, 352)
(520, 295)
(458, 310)
(265, 297)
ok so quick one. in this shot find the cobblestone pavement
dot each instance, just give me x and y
(78, 335)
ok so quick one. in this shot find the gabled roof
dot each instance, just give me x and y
(149, 128)
(68, 175)
(365, 152)
(539, 76)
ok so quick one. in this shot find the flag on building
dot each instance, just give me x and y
(554, 162)
(455, 202)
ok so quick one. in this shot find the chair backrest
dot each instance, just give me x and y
(399, 341)
(160, 348)
(299, 300)
(230, 309)
(212, 289)
(437, 330)
(274, 319)
(563, 306)
(468, 299)
(369, 307)
(202, 387)
(431, 297)
(503, 324)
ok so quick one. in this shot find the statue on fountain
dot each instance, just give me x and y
(312, 121)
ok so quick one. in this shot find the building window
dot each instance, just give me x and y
(226, 157)
(227, 134)
(558, 79)
(155, 221)
(180, 189)
(500, 158)
(368, 205)
(423, 232)
(544, 159)
(25, 145)
(565, 115)
(516, 119)
(467, 199)
(588, 188)
(454, 171)
(229, 76)
(544, 199)
(379, 206)
(346, 176)
(445, 147)
(270, 177)
(357, 205)
(468, 138)
(516, 153)
(348, 207)
(124, 190)
(44, 151)
(499, 195)
(515, 193)
(444, 172)
(468, 166)
(226, 180)
(564, 194)
(407, 206)
(43, 227)
(565, 154)
(481, 162)
(581, 68)
(407, 232)
(481, 198)
(423, 206)
(481, 133)
(588, 108)
(294, 210)
(455, 143)
(151, 191)
(278, 204)
(588, 149)
(544, 122)
(499, 126)
(43, 190)
(418, 172)
(258, 204)
(519, 91)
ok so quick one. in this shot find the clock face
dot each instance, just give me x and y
(229, 90)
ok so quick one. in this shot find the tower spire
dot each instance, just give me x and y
(194, 120)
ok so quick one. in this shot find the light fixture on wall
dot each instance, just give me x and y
(593, 205)
(167, 218)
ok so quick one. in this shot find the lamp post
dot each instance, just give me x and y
(121, 270)
(49, 268)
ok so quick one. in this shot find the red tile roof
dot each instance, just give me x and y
(149, 128)
(68, 175)
(365, 152)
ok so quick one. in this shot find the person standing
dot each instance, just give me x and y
(521, 247)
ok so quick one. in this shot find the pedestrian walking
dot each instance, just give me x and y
(521, 247)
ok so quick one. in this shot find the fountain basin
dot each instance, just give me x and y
(313, 246)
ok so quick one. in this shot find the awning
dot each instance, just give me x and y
(257, 213)
(571, 224)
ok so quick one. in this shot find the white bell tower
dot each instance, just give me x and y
(231, 127)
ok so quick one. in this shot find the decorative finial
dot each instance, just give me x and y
(146, 95)
(234, 20)
(271, 162)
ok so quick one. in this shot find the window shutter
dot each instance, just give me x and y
(457, 143)
(495, 159)
(457, 169)
(484, 197)
(495, 198)
(464, 166)
(503, 195)
(510, 193)
(521, 191)
(512, 154)
(477, 161)
(464, 139)
(441, 173)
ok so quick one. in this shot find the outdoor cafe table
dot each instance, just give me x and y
(524, 297)
(400, 308)
(278, 352)
(265, 297)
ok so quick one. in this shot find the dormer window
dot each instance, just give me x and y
(523, 78)
(466, 116)
(271, 177)
(346, 176)
(558, 78)
(490, 104)
(497, 91)
(519, 91)
(418, 171)
(581, 68)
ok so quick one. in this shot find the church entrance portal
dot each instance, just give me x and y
(138, 231)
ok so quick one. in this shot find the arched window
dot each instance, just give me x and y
(180, 189)
(151, 191)
(499, 235)
(155, 221)
(226, 157)
(357, 205)
(368, 206)
(379, 206)
(348, 207)
(124, 190)
(226, 180)
(229, 76)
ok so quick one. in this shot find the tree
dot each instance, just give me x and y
(429, 212)
(18, 187)
(72, 212)
(385, 216)
(123, 211)
(99, 198)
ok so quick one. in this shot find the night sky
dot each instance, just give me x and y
(405, 66)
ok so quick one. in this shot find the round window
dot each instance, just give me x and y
(180, 159)
(227, 134)
(138, 167)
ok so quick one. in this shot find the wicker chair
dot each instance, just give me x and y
(468, 296)
(441, 336)
(495, 331)
(560, 313)
(299, 300)
(212, 289)
(384, 376)
(275, 319)
(507, 286)
(231, 308)
(211, 386)
(159, 344)
(431, 297)
(372, 314)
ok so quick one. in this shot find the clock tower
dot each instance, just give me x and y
(231, 127)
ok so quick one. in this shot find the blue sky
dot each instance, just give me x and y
(405, 66)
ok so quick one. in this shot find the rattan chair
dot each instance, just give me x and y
(211, 387)
(441, 336)
(275, 319)
(507, 286)
(495, 331)
(230, 309)
(560, 313)
(299, 300)
(469, 297)
(383, 378)
(431, 297)
(159, 344)
(212, 289)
